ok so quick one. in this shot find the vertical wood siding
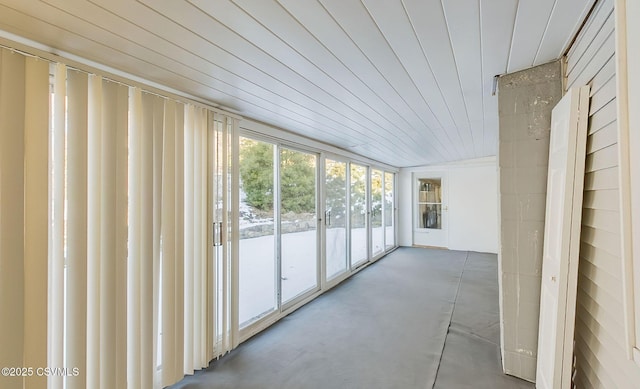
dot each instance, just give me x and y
(601, 359)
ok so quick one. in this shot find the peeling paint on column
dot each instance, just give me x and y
(539, 126)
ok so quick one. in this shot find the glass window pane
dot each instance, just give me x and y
(377, 230)
(431, 216)
(257, 240)
(298, 223)
(389, 214)
(336, 217)
(358, 214)
(430, 203)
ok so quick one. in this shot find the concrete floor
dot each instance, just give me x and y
(471, 356)
(418, 318)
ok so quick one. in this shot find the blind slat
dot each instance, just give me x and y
(56, 236)
(36, 216)
(188, 367)
(168, 260)
(134, 279)
(77, 168)
(146, 258)
(11, 212)
(121, 235)
(179, 273)
(94, 230)
(155, 137)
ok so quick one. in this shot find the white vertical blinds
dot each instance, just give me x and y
(24, 215)
(94, 224)
(108, 107)
(145, 167)
(172, 259)
(139, 366)
(154, 137)
(36, 216)
(103, 231)
(76, 199)
(197, 352)
(189, 229)
(12, 132)
(58, 137)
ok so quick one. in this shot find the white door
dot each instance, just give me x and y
(430, 210)
(567, 148)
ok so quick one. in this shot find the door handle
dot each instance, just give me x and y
(327, 218)
(217, 234)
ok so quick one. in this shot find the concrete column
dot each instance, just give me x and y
(525, 101)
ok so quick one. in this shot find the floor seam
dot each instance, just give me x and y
(470, 333)
(455, 299)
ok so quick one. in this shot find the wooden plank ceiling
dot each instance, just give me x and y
(404, 82)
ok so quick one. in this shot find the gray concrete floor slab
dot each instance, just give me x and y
(471, 356)
(386, 327)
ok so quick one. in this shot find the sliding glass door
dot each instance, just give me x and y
(219, 273)
(335, 218)
(298, 232)
(278, 237)
(278, 232)
(258, 287)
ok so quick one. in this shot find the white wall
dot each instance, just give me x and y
(472, 202)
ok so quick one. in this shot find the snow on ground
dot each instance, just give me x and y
(258, 286)
(299, 265)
